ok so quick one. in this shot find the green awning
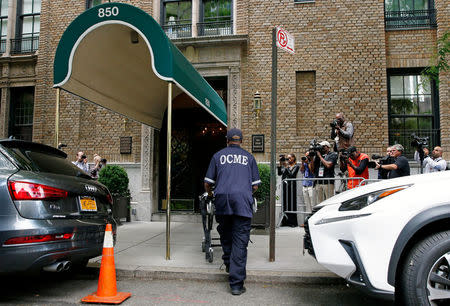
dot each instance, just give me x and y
(117, 56)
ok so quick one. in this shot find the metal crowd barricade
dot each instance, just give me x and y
(340, 185)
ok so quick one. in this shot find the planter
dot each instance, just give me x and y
(121, 208)
(262, 217)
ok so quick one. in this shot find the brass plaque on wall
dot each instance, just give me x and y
(258, 143)
(125, 145)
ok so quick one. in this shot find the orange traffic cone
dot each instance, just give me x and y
(107, 288)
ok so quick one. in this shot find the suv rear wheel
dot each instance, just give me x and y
(425, 279)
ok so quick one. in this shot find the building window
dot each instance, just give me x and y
(177, 18)
(413, 109)
(216, 18)
(92, 3)
(406, 14)
(3, 24)
(21, 113)
(27, 38)
(305, 103)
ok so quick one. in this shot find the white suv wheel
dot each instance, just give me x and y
(426, 272)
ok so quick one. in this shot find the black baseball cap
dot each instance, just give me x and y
(351, 149)
(234, 134)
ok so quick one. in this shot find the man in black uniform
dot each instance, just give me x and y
(235, 175)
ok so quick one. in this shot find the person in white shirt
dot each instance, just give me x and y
(432, 162)
(81, 162)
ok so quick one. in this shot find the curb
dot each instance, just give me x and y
(253, 276)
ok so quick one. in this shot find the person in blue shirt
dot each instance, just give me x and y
(234, 173)
(306, 169)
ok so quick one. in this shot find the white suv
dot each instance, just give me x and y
(390, 238)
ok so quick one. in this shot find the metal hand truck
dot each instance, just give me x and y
(207, 209)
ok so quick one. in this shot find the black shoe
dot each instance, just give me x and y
(238, 291)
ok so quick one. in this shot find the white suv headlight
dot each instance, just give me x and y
(370, 198)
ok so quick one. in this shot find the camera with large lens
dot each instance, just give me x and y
(345, 155)
(334, 123)
(282, 158)
(314, 146)
(382, 160)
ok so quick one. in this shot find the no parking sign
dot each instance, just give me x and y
(285, 40)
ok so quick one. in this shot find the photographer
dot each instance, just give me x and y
(400, 167)
(97, 166)
(81, 161)
(341, 132)
(306, 169)
(324, 163)
(356, 163)
(433, 163)
(383, 160)
(288, 169)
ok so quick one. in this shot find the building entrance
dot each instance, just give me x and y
(196, 136)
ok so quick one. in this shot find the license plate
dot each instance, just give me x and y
(88, 204)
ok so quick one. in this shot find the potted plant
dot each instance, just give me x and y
(115, 178)
(262, 195)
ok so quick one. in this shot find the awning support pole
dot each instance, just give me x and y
(169, 153)
(57, 118)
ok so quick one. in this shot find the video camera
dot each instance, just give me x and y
(314, 146)
(419, 143)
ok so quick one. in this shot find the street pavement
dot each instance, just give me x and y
(69, 288)
(140, 252)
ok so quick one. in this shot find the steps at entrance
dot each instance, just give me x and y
(177, 216)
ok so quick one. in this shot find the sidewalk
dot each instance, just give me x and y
(141, 249)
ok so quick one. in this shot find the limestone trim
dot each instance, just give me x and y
(234, 94)
(147, 158)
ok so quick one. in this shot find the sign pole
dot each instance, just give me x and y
(169, 144)
(273, 146)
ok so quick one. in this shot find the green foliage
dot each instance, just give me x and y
(263, 191)
(115, 178)
(439, 59)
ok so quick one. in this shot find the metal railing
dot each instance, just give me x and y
(410, 19)
(215, 28)
(178, 30)
(404, 138)
(24, 45)
(297, 204)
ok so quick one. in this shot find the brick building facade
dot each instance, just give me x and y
(349, 57)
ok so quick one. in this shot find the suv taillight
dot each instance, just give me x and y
(31, 191)
(39, 238)
(109, 198)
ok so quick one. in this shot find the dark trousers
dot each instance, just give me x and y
(234, 234)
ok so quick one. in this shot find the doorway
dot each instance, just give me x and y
(196, 136)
